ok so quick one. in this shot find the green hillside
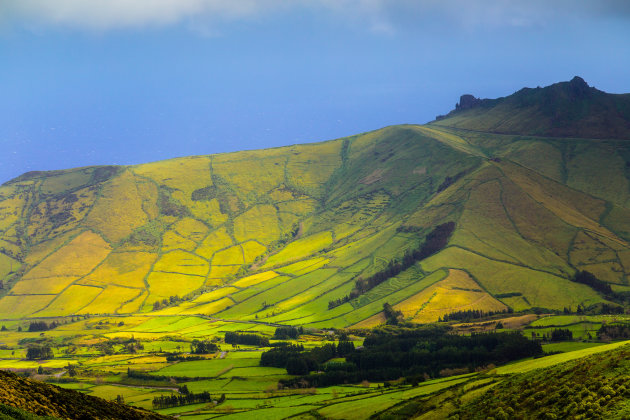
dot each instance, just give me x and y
(276, 235)
(565, 109)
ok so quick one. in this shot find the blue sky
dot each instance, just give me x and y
(87, 82)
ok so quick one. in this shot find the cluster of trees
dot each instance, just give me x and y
(435, 241)
(172, 300)
(470, 314)
(248, 339)
(167, 401)
(392, 316)
(39, 352)
(41, 326)
(203, 347)
(614, 332)
(415, 353)
(299, 362)
(288, 333)
(561, 334)
(589, 279)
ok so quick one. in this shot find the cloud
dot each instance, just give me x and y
(379, 16)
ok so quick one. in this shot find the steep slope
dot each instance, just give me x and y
(48, 400)
(283, 235)
(566, 109)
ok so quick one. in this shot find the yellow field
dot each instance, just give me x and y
(135, 305)
(301, 248)
(24, 305)
(303, 267)
(119, 201)
(457, 292)
(309, 166)
(46, 285)
(209, 308)
(215, 294)
(255, 279)
(223, 271)
(182, 262)
(298, 207)
(230, 256)
(71, 300)
(540, 289)
(259, 223)
(110, 300)
(215, 241)
(191, 229)
(77, 258)
(172, 240)
(122, 268)
(185, 174)
(251, 175)
(251, 250)
(164, 285)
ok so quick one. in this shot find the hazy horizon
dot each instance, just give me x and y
(109, 82)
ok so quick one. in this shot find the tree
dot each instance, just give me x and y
(297, 366)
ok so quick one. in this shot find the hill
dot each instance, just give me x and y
(53, 402)
(565, 109)
(316, 234)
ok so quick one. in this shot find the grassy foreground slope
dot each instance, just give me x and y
(54, 402)
(276, 235)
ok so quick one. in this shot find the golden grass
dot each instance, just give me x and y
(11, 205)
(250, 175)
(539, 288)
(123, 268)
(259, 223)
(77, 258)
(457, 292)
(8, 265)
(215, 294)
(185, 174)
(229, 256)
(135, 305)
(303, 267)
(255, 279)
(298, 207)
(311, 165)
(221, 272)
(191, 229)
(209, 308)
(21, 306)
(252, 250)
(164, 285)
(172, 240)
(47, 285)
(301, 248)
(118, 211)
(110, 300)
(182, 262)
(215, 241)
(71, 300)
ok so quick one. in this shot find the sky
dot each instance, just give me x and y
(99, 82)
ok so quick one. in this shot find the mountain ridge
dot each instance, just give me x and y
(564, 109)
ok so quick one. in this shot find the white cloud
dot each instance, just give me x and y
(380, 16)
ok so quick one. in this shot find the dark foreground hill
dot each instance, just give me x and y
(48, 400)
(565, 109)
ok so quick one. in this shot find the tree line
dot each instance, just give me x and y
(434, 242)
(414, 353)
(469, 314)
(167, 401)
(247, 339)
